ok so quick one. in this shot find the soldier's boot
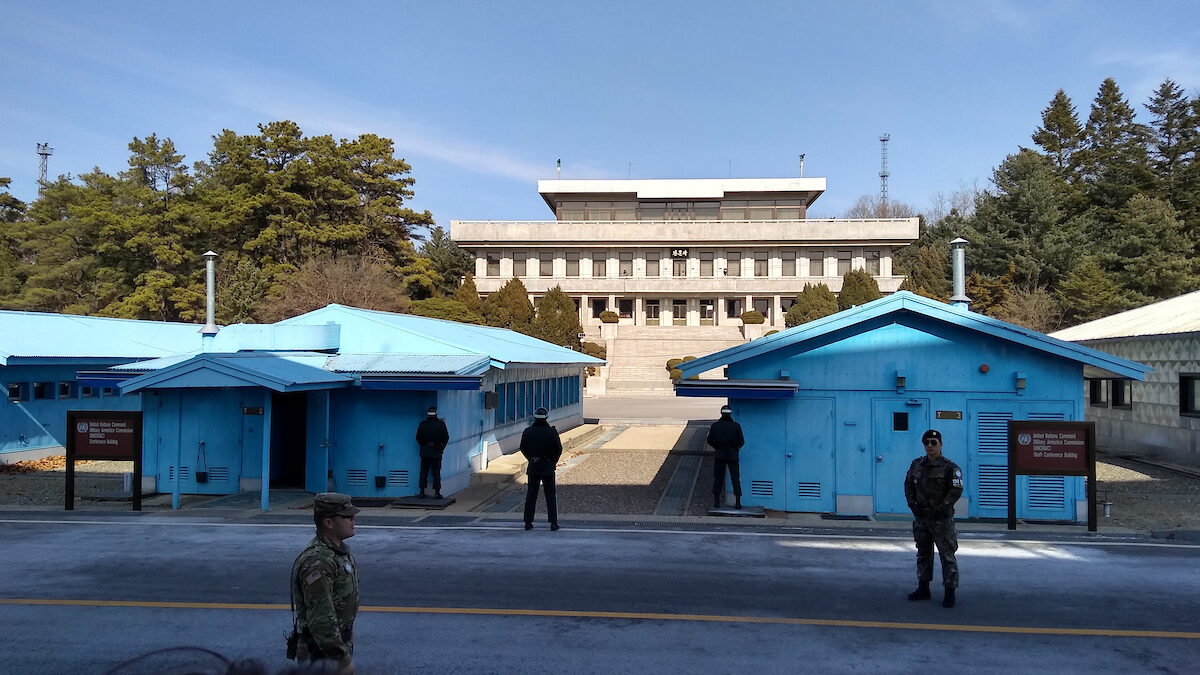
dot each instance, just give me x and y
(438, 495)
(922, 592)
(717, 501)
(422, 494)
(948, 599)
(737, 502)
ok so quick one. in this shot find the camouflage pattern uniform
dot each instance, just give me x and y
(932, 486)
(325, 588)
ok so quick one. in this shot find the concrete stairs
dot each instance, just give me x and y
(638, 356)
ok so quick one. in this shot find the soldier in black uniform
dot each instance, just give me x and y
(432, 438)
(542, 447)
(725, 436)
(932, 486)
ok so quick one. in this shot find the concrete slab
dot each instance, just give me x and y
(418, 502)
(646, 437)
(744, 512)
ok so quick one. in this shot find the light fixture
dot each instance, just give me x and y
(901, 381)
(1020, 381)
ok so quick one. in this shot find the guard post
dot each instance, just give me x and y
(104, 435)
(1050, 448)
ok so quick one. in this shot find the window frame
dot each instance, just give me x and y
(1097, 393)
(520, 262)
(1189, 394)
(1121, 394)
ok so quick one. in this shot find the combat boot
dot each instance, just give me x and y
(717, 501)
(438, 495)
(922, 592)
(422, 494)
(948, 599)
(737, 502)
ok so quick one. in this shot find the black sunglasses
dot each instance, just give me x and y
(930, 441)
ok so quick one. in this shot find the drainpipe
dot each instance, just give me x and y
(958, 256)
(209, 331)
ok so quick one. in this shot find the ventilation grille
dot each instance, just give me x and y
(184, 473)
(1046, 416)
(356, 477)
(398, 478)
(762, 488)
(993, 487)
(1047, 492)
(993, 432)
(809, 491)
(218, 473)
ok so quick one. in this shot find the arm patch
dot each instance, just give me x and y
(312, 578)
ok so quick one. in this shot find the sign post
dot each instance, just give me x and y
(104, 435)
(1045, 448)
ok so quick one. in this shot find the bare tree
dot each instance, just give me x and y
(357, 282)
(871, 206)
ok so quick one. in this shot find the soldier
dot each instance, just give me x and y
(324, 587)
(932, 486)
(725, 436)
(432, 438)
(542, 447)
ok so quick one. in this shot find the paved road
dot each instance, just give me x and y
(456, 595)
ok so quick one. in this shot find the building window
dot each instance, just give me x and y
(788, 258)
(625, 308)
(546, 264)
(707, 311)
(108, 392)
(706, 263)
(679, 312)
(573, 264)
(733, 264)
(87, 392)
(733, 308)
(493, 264)
(679, 267)
(518, 263)
(786, 303)
(599, 265)
(652, 263)
(816, 264)
(763, 306)
(42, 390)
(598, 306)
(1098, 393)
(1189, 394)
(625, 263)
(18, 391)
(66, 390)
(760, 263)
(651, 312)
(1122, 394)
(570, 210)
(873, 263)
(843, 263)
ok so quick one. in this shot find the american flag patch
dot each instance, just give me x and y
(312, 578)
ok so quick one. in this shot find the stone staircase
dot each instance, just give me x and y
(638, 356)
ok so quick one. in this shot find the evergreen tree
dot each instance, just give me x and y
(509, 307)
(1115, 164)
(468, 295)
(1148, 253)
(557, 319)
(858, 288)
(1089, 293)
(1172, 138)
(12, 210)
(448, 260)
(812, 303)
(1060, 134)
(445, 308)
(987, 293)
(927, 270)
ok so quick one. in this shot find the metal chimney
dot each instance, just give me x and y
(958, 256)
(209, 331)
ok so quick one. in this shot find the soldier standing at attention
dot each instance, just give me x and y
(542, 447)
(725, 436)
(932, 486)
(432, 438)
(324, 586)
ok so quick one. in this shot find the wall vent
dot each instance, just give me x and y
(762, 488)
(184, 473)
(809, 491)
(993, 486)
(1047, 492)
(993, 432)
(398, 478)
(356, 477)
(218, 473)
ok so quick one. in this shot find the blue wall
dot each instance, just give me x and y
(851, 433)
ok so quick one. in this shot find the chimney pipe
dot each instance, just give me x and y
(958, 256)
(209, 331)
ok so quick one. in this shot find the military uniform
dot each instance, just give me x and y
(725, 437)
(932, 486)
(325, 593)
(541, 445)
(432, 437)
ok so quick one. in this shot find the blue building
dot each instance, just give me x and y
(833, 410)
(40, 355)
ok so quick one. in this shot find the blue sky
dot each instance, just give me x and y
(482, 97)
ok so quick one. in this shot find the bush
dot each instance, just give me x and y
(595, 349)
(676, 373)
(672, 363)
(770, 332)
(689, 358)
(609, 316)
(753, 317)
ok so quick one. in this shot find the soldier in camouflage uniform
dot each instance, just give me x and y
(932, 486)
(325, 586)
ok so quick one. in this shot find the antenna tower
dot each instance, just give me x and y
(44, 150)
(883, 172)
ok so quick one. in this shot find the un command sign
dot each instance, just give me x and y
(104, 435)
(1045, 448)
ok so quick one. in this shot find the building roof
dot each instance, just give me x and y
(683, 188)
(275, 371)
(1168, 317)
(36, 336)
(833, 327)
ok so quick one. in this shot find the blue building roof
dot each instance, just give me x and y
(882, 312)
(29, 337)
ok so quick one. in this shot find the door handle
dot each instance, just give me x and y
(788, 455)
(878, 458)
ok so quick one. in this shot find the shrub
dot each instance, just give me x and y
(595, 349)
(609, 316)
(753, 317)
(672, 363)
(676, 373)
(770, 332)
(689, 358)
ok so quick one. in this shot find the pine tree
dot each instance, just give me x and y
(509, 307)
(927, 271)
(1115, 163)
(557, 319)
(1089, 293)
(468, 295)
(445, 308)
(812, 303)
(858, 288)
(448, 260)
(1148, 253)
(1172, 136)
(1060, 134)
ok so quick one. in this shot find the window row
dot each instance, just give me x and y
(1119, 394)
(734, 307)
(724, 209)
(48, 391)
(676, 263)
(518, 400)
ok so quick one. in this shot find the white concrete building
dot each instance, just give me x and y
(688, 252)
